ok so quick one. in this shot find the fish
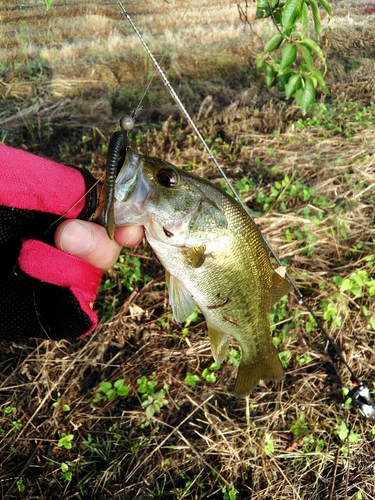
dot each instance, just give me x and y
(214, 256)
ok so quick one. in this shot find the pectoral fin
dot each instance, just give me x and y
(251, 371)
(181, 301)
(219, 342)
(280, 284)
(194, 256)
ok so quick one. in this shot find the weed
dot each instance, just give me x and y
(152, 401)
(21, 485)
(357, 283)
(67, 470)
(129, 269)
(342, 118)
(300, 427)
(245, 185)
(304, 359)
(269, 446)
(165, 320)
(57, 403)
(106, 391)
(234, 356)
(10, 409)
(191, 379)
(285, 357)
(229, 494)
(65, 441)
(16, 425)
(209, 373)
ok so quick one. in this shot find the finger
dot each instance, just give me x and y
(88, 241)
(129, 236)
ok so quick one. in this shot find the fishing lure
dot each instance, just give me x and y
(116, 155)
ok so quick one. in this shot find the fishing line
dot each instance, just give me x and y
(180, 104)
(360, 394)
(134, 113)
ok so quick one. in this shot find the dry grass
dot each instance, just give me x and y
(66, 76)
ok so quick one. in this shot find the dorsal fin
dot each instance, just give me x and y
(280, 284)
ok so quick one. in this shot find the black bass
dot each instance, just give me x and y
(214, 255)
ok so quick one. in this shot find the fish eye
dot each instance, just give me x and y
(167, 177)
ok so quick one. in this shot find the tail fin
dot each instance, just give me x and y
(250, 372)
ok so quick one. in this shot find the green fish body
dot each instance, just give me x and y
(214, 255)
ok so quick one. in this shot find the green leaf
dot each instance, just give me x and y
(48, 4)
(269, 447)
(294, 83)
(64, 467)
(105, 387)
(111, 394)
(358, 279)
(308, 95)
(298, 93)
(122, 390)
(291, 11)
(304, 19)
(274, 42)
(318, 75)
(214, 367)
(282, 80)
(260, 63)
(288, 56)
(314, 47)
(338, 280)
(150, 411)
(307, 57)
(326, 6)
(354, 436)
(191, 379)
(316, 17)
(270, 76)
(262, 12)
(346, 285)
(65, 441)
(343, 431)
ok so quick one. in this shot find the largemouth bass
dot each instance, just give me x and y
(214, 256)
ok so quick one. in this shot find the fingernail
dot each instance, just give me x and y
(76, 238)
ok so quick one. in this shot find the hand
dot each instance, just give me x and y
(44, 291)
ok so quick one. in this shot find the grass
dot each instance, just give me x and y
(139, 409)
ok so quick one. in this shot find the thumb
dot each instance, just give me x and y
(89, 241)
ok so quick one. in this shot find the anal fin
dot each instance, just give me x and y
(219, 342)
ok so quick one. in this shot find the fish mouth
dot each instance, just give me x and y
(131, 191)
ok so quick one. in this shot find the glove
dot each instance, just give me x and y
(44, 292)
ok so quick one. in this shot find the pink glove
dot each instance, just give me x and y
(44, 292)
